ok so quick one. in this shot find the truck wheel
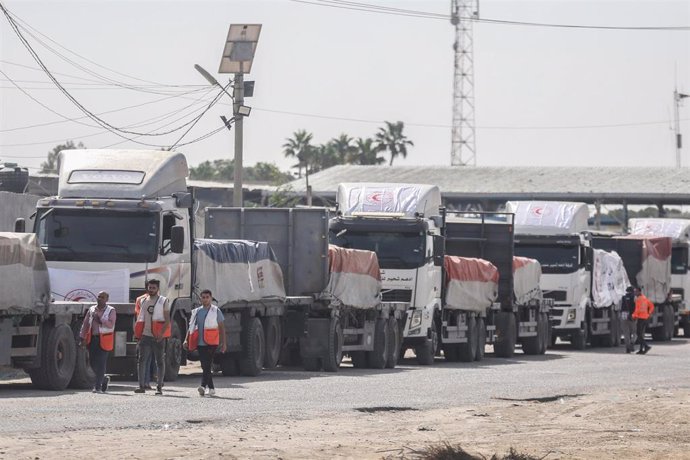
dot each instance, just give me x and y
(58, 357)
(379, 355)
(481, 339)
(334, 354)
(83, 377)
(393, 344)
(253, 348)
(427, 350)
(274, 340)
(609, 339)
(544, 332)
(579, 338)
(468, 350)
(532, 345)
(669, 322)
(506, 334)
(229, 365)
(173, 353)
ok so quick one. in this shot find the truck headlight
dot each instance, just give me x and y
(416, 319)
(571, 315)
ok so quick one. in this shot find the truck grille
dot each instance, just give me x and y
(557, 296)
(397, 295)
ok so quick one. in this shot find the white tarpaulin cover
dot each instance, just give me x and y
(83, 286)
(355, 277)
(472, 284)
(526, 276)
(655, 276)
(237, 270)
(548, 217)
(678, 229)
(24, 281)
(609, 278)
(406, 199)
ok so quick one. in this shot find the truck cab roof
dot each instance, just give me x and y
(549, 217)
(388, 200)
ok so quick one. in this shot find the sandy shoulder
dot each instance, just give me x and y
(645, 424)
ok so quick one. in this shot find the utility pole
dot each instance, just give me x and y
(678, 137)
(238, 96)
(463, 145)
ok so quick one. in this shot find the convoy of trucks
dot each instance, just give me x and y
(391, 270)
(413, 237)
(586, 284)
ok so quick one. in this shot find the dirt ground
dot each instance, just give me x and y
(645, 424)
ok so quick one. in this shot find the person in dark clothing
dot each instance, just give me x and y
(627, 320)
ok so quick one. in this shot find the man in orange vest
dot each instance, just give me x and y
(152, 329)
(206, 333)
(97, 332)
(643, 310)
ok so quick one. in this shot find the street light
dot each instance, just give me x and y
(238, 55)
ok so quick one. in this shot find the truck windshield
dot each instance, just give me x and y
(679, 261)
(553, 259)
(394, 249)
(97, 235)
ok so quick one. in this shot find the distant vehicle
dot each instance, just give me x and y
(679, 232)
(585, 284)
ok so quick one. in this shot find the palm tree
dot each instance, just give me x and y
(367, 153)
(391, 138)
(299, 147)
(343, 148)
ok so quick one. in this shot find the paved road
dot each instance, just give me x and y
(292, 393)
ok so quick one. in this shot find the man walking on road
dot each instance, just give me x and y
(152, 329)
(206, 333)
(627, 320)
(97, 332)
(643, 310)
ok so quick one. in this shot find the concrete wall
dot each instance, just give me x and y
(13, 206)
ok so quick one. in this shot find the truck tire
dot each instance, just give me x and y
(83, 377)
(468, 350)
(229, 365)
(506, 334)
(274, 340)
(579, 338)
(173, 353)
(58, 358)
(664, 333)
(532, 345)
(608, 340)
(393, 344)
(253, 348)
(481, 339)
(379, 355)
(545, 339)
(427, 350)
(334, 354)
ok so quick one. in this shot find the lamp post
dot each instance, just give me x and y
(238, 55)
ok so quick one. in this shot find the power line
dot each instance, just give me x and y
(369, 8)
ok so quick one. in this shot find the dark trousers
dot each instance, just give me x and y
(641, 329)
(147, 347)
(98, 358)
(206, 358)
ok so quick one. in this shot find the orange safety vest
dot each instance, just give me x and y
(157, 318)
(211, 335)
(107, 334)
(643, 308)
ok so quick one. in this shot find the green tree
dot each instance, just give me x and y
(367, 153)
(50, 165)
(224, 170)
(300, 148)
(343, 148)
(392, 139)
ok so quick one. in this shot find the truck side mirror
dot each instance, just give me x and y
(177, 239)
(439, 250)
(20, 225)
